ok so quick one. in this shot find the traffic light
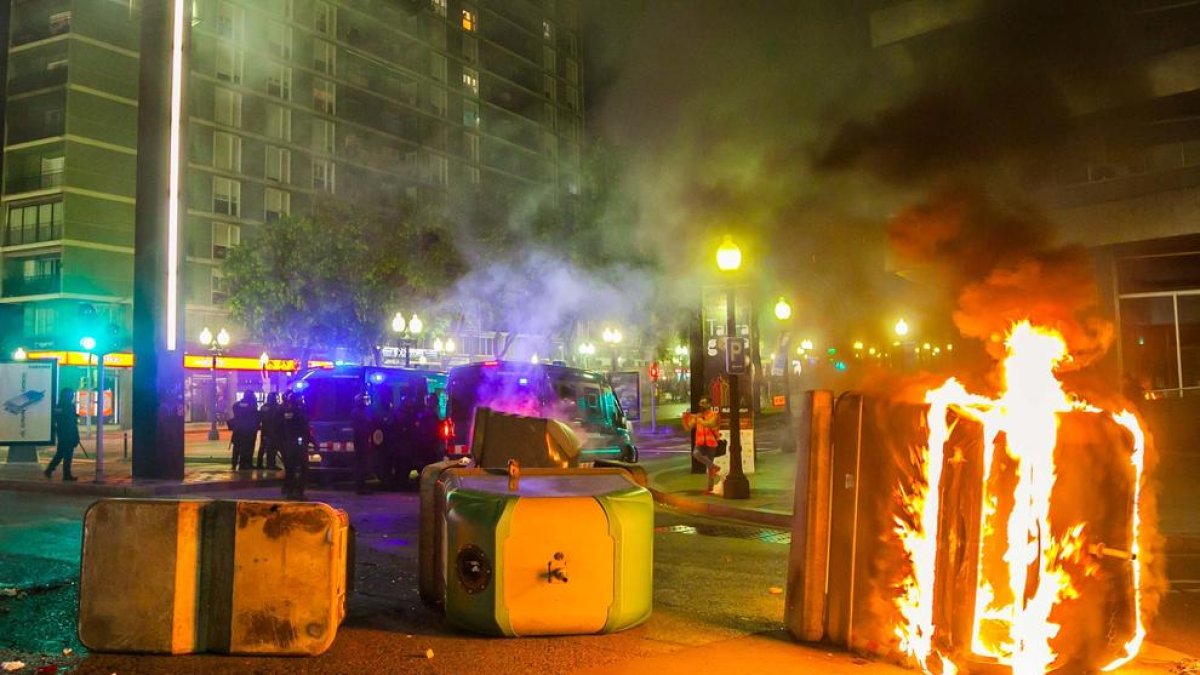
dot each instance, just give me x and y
(654, 372)
(735, 355)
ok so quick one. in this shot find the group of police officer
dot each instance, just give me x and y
(392, 441)
(285, 433)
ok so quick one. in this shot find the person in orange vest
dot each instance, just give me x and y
(704, 425)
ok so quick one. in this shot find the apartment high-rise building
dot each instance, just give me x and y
(444, 101)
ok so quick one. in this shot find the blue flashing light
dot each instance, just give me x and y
(299, 385)
(341, 363)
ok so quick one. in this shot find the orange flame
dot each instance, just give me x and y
(1012, 622)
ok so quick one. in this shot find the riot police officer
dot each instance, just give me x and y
(244, 423)
(271, 441)
(296, 439)
(366, 436)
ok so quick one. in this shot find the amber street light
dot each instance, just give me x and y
(729, 260)
(216, 345)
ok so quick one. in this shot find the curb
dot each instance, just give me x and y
(134, 490)
(702, 508)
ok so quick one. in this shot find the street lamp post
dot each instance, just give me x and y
(263, 360)
(585, 350)
(612, 337)
(216, 346)
(737, 486)
(783, 312)
(407, 332)
(97, 399)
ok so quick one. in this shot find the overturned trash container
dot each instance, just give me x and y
(536, 551)
(237, 577)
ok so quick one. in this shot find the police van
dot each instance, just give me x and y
(329, 399)
(581, 398)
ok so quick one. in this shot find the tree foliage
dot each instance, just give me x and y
(334, 278)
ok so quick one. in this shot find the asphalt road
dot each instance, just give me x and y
(712, 581)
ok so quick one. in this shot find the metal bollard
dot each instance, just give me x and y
(804, 612)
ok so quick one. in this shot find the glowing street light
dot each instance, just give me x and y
(729, 260)
(216, 345)
(20, 354)
(783, 311)
(901, 328)
(407, 332)
(806, 345)
(612, 337)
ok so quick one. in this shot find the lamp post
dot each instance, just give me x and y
(97, 399)
(612, 337)
(407, 332)
(585, 350)
(216, 346)
(783, 312)
(729, 261)
(263, 360)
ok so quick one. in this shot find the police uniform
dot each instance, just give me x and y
(296, 438)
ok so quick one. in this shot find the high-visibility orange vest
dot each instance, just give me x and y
(706, 428)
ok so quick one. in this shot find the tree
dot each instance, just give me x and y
(333, 279)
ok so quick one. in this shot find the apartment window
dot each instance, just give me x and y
(437, 67)
(279, 164)
(220, 291)
(470, 78)
(324, 96)
(284, 7)
(323, 136)
(60, 22)
(277, 204)
(548, 87)
(279, 122)
(549, 143)
(573, 98)
(437, 35)
(572, 72)
(547, 30)
(227, 151)
(473, 174)
(40, 320)
(470, 50)
(34, 223)
(224, 237)
(471, 141)
(437, 100)
(230, 20)
(549, 59)
(325, 57)
(439, 170)
(469, 20)
(230, 63)
(227, 107)
(572, 44)
(279, 39)
(325, 18)
(551, 115)
(279, 81)
(227, 196)
(322, 173)
(438, 6)
(470, 114)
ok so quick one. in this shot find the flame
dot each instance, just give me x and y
(1024, 570)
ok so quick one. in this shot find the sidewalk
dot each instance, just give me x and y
(206, 468)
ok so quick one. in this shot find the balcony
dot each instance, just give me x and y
(19, 84)
(56, 24)
(17, 286)
(42, 181)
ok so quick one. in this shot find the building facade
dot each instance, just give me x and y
(447, 102)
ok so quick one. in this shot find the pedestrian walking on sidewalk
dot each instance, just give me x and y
(66, 428)
(706, 445)
(297, 438)
(270, 441)
(244, 424)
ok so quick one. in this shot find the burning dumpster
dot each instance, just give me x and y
(979, 532)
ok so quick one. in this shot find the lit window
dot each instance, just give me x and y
(227, 108)
(33, 223)
(227, 196)
(323, 174)
(279, 82)
(224, 237)
(229, 64)
(325, 18)
(325, 57)
(279, 122)
(279, 164)
(439, 7)
(279, 39)
(227, 151)
(470, 78)
(278, 204)
(470, 114)
(547, 30)
(468, 20)
(323, 136)
(324, 96)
